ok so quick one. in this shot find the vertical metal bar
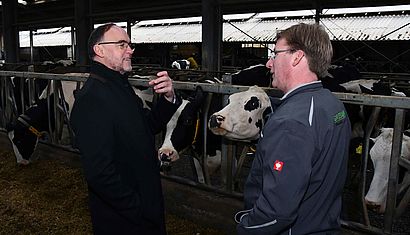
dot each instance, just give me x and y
(23, 106)
(229, 166)
(205, 136)
(49, 91)
(10, 31)
(31, 47)
(83, 26)
(56, 113)
(394, 170)
(73, 43)
(3, 95)
(30, 86)
(211, 34)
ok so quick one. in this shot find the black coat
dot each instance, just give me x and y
(115, 136)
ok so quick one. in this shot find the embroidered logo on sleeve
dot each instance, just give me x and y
(278, 165)
(339, 117)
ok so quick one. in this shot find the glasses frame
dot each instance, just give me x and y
(124, 43)
(276, 52)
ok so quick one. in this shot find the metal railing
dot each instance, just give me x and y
(400, 104)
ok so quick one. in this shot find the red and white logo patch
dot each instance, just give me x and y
(278, 165)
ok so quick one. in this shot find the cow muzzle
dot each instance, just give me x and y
(376, 207)
(215, 121)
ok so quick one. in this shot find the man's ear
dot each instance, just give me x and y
(299, 54)
(99, 51)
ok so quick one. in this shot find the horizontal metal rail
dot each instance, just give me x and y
(398, 103)
(361, 99)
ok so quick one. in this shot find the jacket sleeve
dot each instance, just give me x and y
(94, 137)
(279, 179)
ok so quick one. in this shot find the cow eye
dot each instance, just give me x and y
(252, 104)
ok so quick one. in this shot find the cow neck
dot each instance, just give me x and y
(104, 74)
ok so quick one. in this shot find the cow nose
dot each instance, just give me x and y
(215, 121)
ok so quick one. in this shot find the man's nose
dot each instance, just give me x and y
(130, 50)
(269, 63)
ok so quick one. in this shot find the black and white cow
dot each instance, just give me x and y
(190, 122)
(243, 117)
(180, 64)
(37, 120)
(380, 155)
(258, 75)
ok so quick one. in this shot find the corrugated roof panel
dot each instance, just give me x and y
(339, 28)
(367, 28)
(61, 38)
(183, 33)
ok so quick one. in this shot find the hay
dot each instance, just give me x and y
(47, 197)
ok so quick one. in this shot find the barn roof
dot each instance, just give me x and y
(247, 28)
(35, 14)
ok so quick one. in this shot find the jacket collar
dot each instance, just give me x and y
(99, 70)
(302, 88)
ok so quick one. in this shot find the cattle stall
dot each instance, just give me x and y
(400, 104)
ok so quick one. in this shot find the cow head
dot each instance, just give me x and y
(380, 155)
(180, 64)
(182, 127)
(23, 142)
(28, 128)
(242, 118)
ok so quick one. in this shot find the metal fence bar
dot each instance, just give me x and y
(394, 170)
(398, 103)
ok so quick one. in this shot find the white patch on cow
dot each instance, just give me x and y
(67, 87)
(167, 148)
(236, 123)
(353, 86)
(380, 155)
(19, 157)
(145, 95)
(214, 162)
(311, 111)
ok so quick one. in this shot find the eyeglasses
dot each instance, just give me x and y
(122, 44)
(276, 52)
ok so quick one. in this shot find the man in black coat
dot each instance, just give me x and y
(115, 136)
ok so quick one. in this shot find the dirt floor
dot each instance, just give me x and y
(48, 197)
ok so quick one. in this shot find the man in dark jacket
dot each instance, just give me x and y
(115, 136)
(296, 180)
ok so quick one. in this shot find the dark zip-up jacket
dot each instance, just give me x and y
(297, 177)
(115, 136)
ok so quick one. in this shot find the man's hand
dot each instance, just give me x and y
(163, 85)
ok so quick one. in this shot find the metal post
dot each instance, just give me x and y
(394, 170)
(10, 31)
